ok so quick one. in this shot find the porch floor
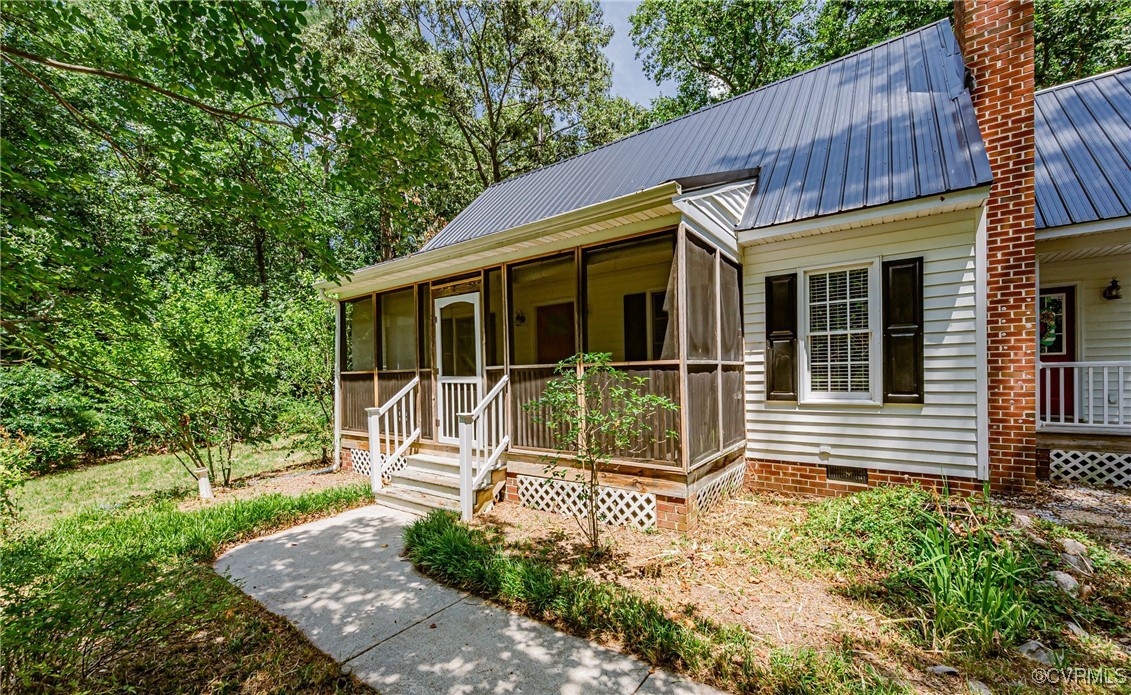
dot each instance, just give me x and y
(343, 582)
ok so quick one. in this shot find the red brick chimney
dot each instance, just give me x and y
(996, 37)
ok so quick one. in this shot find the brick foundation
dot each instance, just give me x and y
(805, 478)
(997, 44)
(347, 459)
(675, 513)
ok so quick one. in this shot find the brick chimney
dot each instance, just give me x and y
(996, 37)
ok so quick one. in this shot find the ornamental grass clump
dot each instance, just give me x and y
(973, 588)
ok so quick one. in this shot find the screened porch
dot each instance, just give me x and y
(665, 305)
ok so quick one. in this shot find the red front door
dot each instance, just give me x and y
(1057, 343)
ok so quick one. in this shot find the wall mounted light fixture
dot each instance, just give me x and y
(1113, 291)
(519, 318)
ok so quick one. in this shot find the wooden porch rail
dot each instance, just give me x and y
(483, 438)
(397, 419)
(1085, 396)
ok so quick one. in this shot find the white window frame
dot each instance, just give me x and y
(874, 396)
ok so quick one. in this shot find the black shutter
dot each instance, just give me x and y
(781, 338)
(903, 330)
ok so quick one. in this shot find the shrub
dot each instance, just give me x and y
(15, 460)
(63, 421)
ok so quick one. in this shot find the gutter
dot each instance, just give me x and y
(368, 279)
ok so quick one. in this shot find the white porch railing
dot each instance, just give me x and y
(1085, 396)
(483, 438)
(393, 428)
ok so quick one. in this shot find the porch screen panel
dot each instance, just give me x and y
(702, 336)
(733, 412)
(542, 311)
(398, 330)
(631, 300)
(527, 385)
(357, 395)
(730, 311)
(389, 383)
(357, 335)
(702, 412)
(494, 320)
(655, 445)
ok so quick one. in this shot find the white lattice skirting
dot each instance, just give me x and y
(723, 485)
(615, 506)
(1091, 467)
(362, 463)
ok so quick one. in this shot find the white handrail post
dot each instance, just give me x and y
(466, 433)
(374, 449)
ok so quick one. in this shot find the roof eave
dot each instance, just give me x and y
(425, 262)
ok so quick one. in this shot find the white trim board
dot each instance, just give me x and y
(1084, 228)
(895, 212)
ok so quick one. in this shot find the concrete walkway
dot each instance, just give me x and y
(343, 582)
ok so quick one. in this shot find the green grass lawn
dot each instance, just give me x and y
(125, 600)
(107, 586)
(45, 499)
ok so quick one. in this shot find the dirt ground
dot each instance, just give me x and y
(1102, 513)
(292, 481)
(729, 569)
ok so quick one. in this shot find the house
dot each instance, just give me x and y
(835, 277)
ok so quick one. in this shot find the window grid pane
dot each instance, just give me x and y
(839, 339)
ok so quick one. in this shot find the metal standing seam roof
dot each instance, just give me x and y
(889, 123)
(1083, 166)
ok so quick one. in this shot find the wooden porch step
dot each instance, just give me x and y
(444, 485)
(413, 501)
(433, 463)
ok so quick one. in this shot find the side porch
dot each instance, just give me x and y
(434, 376)
(1084, 354)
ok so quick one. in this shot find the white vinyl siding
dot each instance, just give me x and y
(937, 436)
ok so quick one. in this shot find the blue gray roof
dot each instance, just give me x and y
(1083, 166)
(892, 122)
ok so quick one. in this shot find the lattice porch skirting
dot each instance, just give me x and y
(616, 506)
(723, 485)
(362, 463)
(1091, 467)
(359, 461)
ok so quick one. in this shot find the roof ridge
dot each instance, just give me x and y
(1090, 78)
(708, 107)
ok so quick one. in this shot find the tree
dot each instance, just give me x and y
(1079, 38)
(716, 49)
(845, 26)
(201, 374)
(595, 412)
(204, 109)
(518, 76)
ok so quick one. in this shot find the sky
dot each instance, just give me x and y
(628, 76)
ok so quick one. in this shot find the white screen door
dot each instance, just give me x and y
(459, 359)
